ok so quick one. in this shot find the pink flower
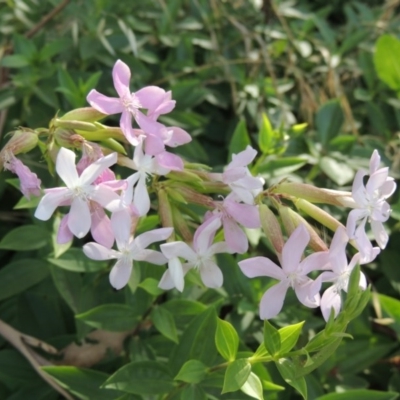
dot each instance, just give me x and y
(200, 256)
(29, 182)
(152, 98)
(340, 273)
(79, 191)
(371, 205)
(292, 274)
(129, 249)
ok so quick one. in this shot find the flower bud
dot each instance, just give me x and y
(190, 195)
(68, 138)
(87, 114)
(165, 212)
(181, 225)
(81, 125)
(271, 228)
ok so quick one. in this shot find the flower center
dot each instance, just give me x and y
(343, 280)
(131, 103)
(81, 192)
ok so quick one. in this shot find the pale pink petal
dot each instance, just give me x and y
(106, 197)
(358, 189)
(337, 251)
(211, 275)
(381, 212)
(151, 97)
(121, 226)
(204, 236)
(97, 251)
(64, 235)
(243, 194)
(374, 162)
(151, 256)
(377, 179)
(330, 299)
(307, 293)
(219, 247)
(234, 236)
(101, 227)
(293, 249)
(316, 262)
(148, 125)
(79, 219)
(176, 273)
(178, 137)
(141, 198)
(104, 104)
(166, 281)
(133, 136)
(97, 168)
(125, 124)
(178, 249)
(234, 174)
(243, 158)
(120, 273)
(245, 214)
(169, 161)
(352, 219)
(121, 77)
(261, 266)
(388, 188)
(50, 201)
(363, 281)
(154, 145)
(65, 167)
(380, 234)
(367, 252)
(272, 301)
(328, 276)
(156, 235)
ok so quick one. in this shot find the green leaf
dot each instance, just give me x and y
(360, 395)
(240, 139)
(193, 371)
(20, 275)
(141, 377)
(386, 60)
(24, 238)
(14, 61)
(164, 322)
(150, 285)
(391, 307)
(236, 375)
(288, 372)
(272, 339)
(193, 392)
(328, 121)
(183, 307)
(83, 383)
(110, 317)
(226, 340)
(253, 387)
(75, 260)
(289, 336)
(266, 136)
(339, 172)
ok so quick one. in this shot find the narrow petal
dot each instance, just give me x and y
(97, 251)
(120, 274)
(64, 235)
(79, 219)
(388, 188)
(148, 125)
(151, 97)
(121, 226)
(125, 124)
(101, 229)
(380, 234)
(121, 77)
(204, 235)
(169, 161)
(233, 174)
(219, 247)
(151, 256)
(261, 266)
(293, 249)
(316, 262)
(245, 214)
(166, 281)
(104, 104)
(352, 219)
(377, 179)
(178, 249)
(337, 251)
(234, 236)
(50, 201)
(211, 275)
(106, 197)
(178, 137)
(154, 145)
(374, 162)
(358, 189)
(141, 198)
(176, 272)
(156, 235)
(272, 301)
(65, 167)
(243, 158)
(97, 168)
(330, 299)
(363, 281)
(307, 293)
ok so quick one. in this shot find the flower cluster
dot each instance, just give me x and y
(110, 208)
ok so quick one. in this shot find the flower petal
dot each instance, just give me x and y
(234, 236)
(120, 274)
(204, 235)
(97, 251)
(261, 266)
(121, 77)
(380, 234)
(293, 249)
(358, 189)
(50, 201)
(151, 256)
(377, 179)
(156, 235)
(176, 272)
(151, 97)
(374, 162)
(169, 161)
(178, 137)
(101, 229)
(79, 219)
(65, 167)
(121, 223)
(97, 168)
(125, 123)
(245, 214)
(104, 104)
(272, 301)
(178, 249)
(316, 262)
(106, 197)
(307, 293)
(141, 198)
(330, 299)
(352, 219)
(64, 235)
(243, 158)
(211, 275)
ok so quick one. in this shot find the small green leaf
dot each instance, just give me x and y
(288, 373)
(193, 371)
(193, 392)
(272, 339)
(150, 285)
(110, 317)
(289, 336)
(240, 139)
(253, 387)
(14, 61)
(236, 375)
(226, 340)
(266, 135)
(360, 395)
(328, 121)
(141, 377)
(164, 322)
(24, 238)
(183, 307)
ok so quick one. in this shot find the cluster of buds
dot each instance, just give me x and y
(110, 208)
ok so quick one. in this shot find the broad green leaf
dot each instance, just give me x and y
(19, 275)
(75, 260)
(192, 371)
(193, 392)
(110, 317)
(141, 377)
(150, 285)
(266, 136)
(339, 172)
(164, 322)
(253, 387)
(184, 307)
(289, 336)
(387, 62)
(14, 61)
(25, 203)
(391, 307)
(226, 340)
(360, 395)
(240, 139)
(83, 383)
(288, 372)
(272, 339)
(274, 166)
(24, 238)
(236, 375)
(328, 121)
